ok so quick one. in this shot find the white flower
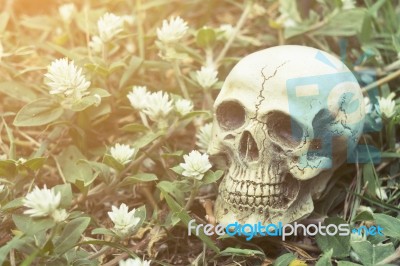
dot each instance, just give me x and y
(381, 193)
(123, 219)
(183, 106)
(67, 12)
(109, 25)
(42, 202)
(134, 262)
(386, 106)
(172, 31)
(195, 165)
(67, 79)
(60, 215)
(96, 44)
(348, 4)
(138, 97)
(158, 106)
(227, 30)
(129, 19)
(122, 153)
(206, 77)
(204, 137)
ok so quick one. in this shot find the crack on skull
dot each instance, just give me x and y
(260, 96)
(341, 108)
(306, 166)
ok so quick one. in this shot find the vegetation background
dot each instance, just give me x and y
(94, 148)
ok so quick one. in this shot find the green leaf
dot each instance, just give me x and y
(363, 216)
(339, 244)
(325, 260)
(8, 168)
(177, 169)
(66, 194)
(141, 214)
(134, 65)
(35, 163)
(366, 29)
(194, 114)
(98, 168)
(17, 91)
(168, 187)
(211, 177)
(73, 168)
(284, 260)
(241, 252)
(102, 231)
(142, 177)
(101, 92)
(12, 150)
(71, 234)
(147, 139)
(14, 243)
(344, 23)
(370, 254)
(206, 37)
(85, 103)
(135, 128)
(347, 263)
(390, 225)
(32, 256)
(370, 178)
(38, 113)
(110, 161)
(31, 226)
(15, 203)
(185, 218)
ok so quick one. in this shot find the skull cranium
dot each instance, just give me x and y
(286, 118)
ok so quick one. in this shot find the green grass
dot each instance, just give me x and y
(67, 146)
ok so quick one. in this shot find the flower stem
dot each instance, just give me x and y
(193, 195)
(140, 17)
(54, 135)
(236, 30)
(99, 253)
(381, 81)
(390, 133)
(181, 83)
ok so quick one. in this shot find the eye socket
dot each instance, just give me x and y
(230, 115)
(284, 130)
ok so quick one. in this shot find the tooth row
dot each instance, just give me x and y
(253, 189)
(242, 191)
(268, 176)
(255, 201)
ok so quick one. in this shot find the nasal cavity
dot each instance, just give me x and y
(248, 150)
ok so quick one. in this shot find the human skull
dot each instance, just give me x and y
(285, 119)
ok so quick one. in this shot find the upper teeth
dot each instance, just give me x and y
(240, 189)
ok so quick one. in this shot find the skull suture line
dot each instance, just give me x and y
(285, 119)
